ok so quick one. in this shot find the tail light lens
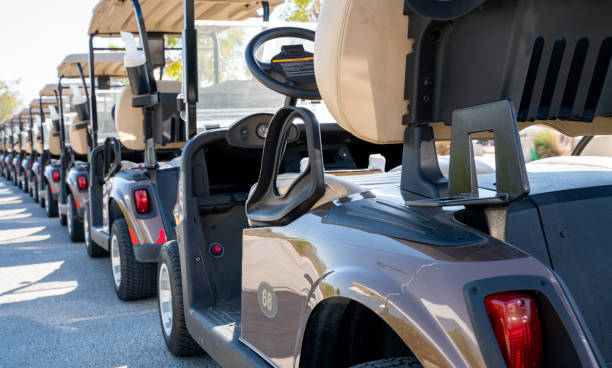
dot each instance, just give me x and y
(56, 176)
(141, 198)
(516, 324)
(82, 182)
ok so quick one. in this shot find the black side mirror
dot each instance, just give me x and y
(267, 205)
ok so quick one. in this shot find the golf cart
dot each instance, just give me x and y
(51, 181)
(3, 146)
(407, 268)
(134, 177)
(74, 194)
(10, 149)
(40, 132)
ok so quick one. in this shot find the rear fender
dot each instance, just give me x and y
(145, 228)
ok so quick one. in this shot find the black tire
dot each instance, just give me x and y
(75, 224)
(41, 199)
(35, 192)
(63, 220)
(179, 341)
(93, 249)
(51, 205)
(138, 280)
(401, 362)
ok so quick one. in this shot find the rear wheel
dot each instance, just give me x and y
(401, 362)
(63, 220)
(132, 280)
(35, 193)
(171, 312)
(51, 205)
(75, 225)
(93, 249)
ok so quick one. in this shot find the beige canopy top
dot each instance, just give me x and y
(48, 89)
(166, 16)
(108, 64)
(46, 101)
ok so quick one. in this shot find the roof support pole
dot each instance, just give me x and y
(93, 107)
(190, 67)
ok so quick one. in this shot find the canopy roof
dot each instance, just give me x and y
(166, 16)
(46, 101)
(109, 64)
(48, 89)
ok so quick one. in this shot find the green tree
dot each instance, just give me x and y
(9, 98)
(302, 10)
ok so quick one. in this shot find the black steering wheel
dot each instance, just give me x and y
(291, 72)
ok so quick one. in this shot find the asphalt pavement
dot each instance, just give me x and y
(58, 307)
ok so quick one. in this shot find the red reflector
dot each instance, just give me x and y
(162, 237)
(56, 175)
(76, 203)
(29, 165)
(132, 236)
(216, 249)
(141, 197)
(82, 181)
(516, 323)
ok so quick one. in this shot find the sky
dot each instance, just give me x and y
(36, 35)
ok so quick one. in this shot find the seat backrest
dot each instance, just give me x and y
(79, 136)
(55, 146)
(129, 119)
(37, 142)
(381, 64)
(360, 60)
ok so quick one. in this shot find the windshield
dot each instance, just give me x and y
(106, 101)
(227, 90)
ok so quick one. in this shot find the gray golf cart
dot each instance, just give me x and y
(134, 177)
(40, 132)
(74, 194)
(407, 268)
(51, 171)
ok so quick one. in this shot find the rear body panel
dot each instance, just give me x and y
(565, 224)
(81, 196)
(417, 288)
(150, 230)
(54, 165)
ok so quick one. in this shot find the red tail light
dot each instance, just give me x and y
(141, 197)
(82, 181)
(56, 175)
(516, 323)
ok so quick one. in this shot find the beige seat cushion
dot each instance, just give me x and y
(360, 62)
(55, 147)
(129, 119)
(37, 143)
(78, 137)
(27, 147)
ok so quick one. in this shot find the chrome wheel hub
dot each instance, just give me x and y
(116, 261)
(165, 299)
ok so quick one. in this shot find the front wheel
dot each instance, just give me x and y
(75, 224)
(171, 312)
(51, 204)
(133, 280)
